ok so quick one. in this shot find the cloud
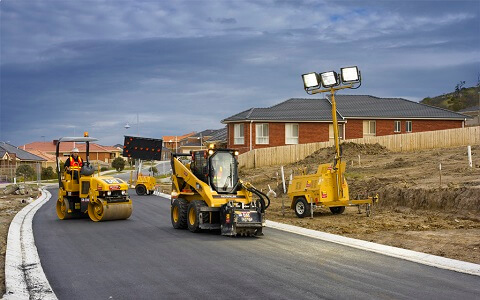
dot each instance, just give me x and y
(183, 66)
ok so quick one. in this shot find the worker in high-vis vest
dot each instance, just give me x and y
(74, 163)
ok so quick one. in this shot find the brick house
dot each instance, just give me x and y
(172, 142)
(11, 157)
(301, 121)
(98, 152)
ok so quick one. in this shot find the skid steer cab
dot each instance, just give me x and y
(82, 195)
(207, 194)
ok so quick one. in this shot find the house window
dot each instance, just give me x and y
(408, 126)
(369, 128)
(238, 136)
(397, 126)
(291, 134)
(261, 134)
(331, 135)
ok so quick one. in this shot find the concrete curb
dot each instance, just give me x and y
(161, 194)
(418, 257)
(24, 276)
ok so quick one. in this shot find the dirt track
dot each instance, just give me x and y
(414, 212)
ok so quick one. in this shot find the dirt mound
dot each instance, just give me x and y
(349, 151)
(453, 199)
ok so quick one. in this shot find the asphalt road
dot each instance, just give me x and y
(145, 258)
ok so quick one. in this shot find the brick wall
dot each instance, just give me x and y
(308, 133)
(318, 132)
(354, 129)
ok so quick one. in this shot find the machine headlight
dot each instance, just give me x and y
(123, 192)
(109, 193)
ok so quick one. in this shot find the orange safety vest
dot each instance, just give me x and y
(75, 165)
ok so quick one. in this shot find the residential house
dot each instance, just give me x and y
(172, 142)
(473, 112)
(104, 154)
(11, 157)
(195, 141)
(218, 138)
(300, 121)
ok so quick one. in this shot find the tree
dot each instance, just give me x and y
(48, 173)
(153, 170)
(26, 171)
(118, 164)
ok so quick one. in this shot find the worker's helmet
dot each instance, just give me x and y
(75, 150)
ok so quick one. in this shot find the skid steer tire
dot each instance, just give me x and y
(178, 213)
(140, 189)
(336, 210)
(193, 215)
(302, 208)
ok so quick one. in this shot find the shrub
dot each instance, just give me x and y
(153, 170)
(48, 173)
(26, 171)
(104, 168)
(118, 164)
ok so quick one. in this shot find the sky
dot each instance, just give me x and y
(69, 66)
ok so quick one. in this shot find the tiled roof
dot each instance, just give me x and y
(205, 133)
(219, 135)
(67, 147)
(370, 106)
(290, 110)
(168, 138)
(348, 106)
(19, 153)
(42, 154)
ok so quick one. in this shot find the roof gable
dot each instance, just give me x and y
(294, 109)
(19, 153)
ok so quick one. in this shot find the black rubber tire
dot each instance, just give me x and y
(182, 206)
(337, 210)
(193, 211)
(301, 207)
(141, 190)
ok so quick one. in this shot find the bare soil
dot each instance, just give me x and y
(415, 211)
(9, 206)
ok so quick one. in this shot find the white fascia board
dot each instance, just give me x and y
(284, 121)
(405, 118)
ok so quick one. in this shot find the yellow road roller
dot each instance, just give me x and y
(82, 194)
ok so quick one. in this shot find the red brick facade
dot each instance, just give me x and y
(318, 132)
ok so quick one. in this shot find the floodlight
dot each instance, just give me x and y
(329, 79)
(311, 80)
(350, 74)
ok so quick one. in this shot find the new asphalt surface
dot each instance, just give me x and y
(145, 258)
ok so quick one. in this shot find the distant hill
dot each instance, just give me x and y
(460, 99)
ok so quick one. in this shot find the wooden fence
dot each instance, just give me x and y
(399, 142)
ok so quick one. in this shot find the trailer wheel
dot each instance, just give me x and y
(178, 213)
(193, 215)
(336, 210)
(140, 189)
(302, 208)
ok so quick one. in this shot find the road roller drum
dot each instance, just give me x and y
(101, 210)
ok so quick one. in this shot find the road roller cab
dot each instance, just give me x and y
(81, 194)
